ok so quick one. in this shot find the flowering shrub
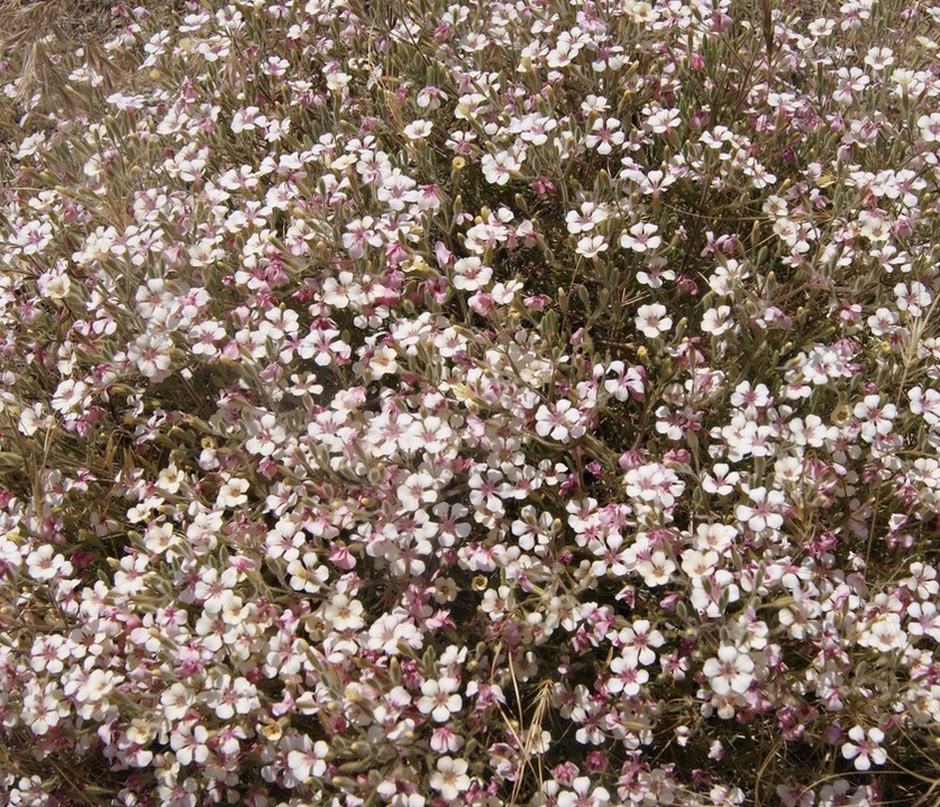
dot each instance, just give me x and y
(527, 403)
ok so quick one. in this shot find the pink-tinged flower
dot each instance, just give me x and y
(865, 749)
(835, 794)
(923, 580)
(450, 779)
(44, 563)
(925, 402)
(54, 286)
(716, 321)
(418, 129)
(204, 337)
(723, 481)
(874, 225)
(71, 396)
(443, 739)
(397, 190)
(925, 620)
(497, 603)
(266, 435)
(44, 709)
(247, 119)
(731, 671)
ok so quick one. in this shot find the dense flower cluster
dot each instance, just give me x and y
(491, 403)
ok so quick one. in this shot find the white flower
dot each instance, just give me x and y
(884, 634)
(44, 709)
(583, 795)
(697, 564)
(875, 418)
(915, 299)
(233, 493)
(96, 687)
(662, 120)
(730, 671)
(450, 779)
(626, 677)
(266, 436)
(44, 563)
(309, 760)
(383, 361)
(879, 58)
(765, 513)
(605, 134)
(865, 750)
(70, 396)
(151, 352)
(176, 701)
(642, 237)
(497, 603)
(337, 80)
(657, 569)
(54, 286)
(653, 483)
(628, 381)
(591, 246)
(470, 274)
(32, 419)
(651, 320)
(417, 490)
(499, 168)
(717, 537)
(585, 221)
(439, 698)
(874, 225)
(929, 126)
(190, 744)
(639, 640)
(561, 421)
(343, 613)
(716, 321)
(419, 129)
(397, 190)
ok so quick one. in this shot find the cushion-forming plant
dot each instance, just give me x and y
(506, 403)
